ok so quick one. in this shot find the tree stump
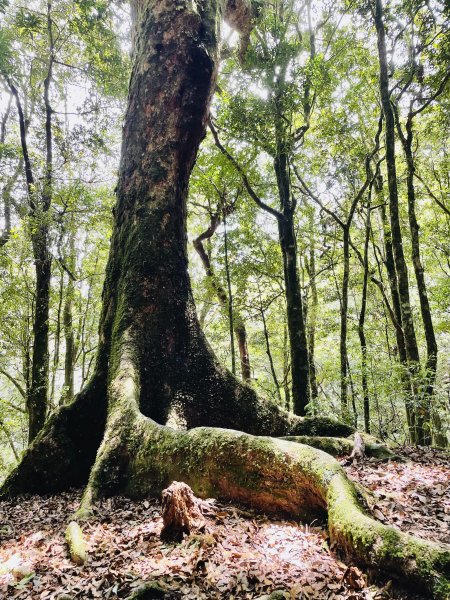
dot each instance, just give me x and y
(359, 448)
(181, 512)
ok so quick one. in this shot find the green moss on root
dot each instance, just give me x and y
(279, 476)
(341, 446)
(76, 543)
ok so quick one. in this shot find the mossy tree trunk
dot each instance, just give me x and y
(153, 358)
(397, 317)
(289, 251)
(69, 333)
(362, 321)
(407, 139)
(39, 206)
(149, 326)
(312, 307)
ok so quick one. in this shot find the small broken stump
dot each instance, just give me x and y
(181, 512)
(358, 452)
(359, 448)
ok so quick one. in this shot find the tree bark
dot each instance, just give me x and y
(57, 338)
(269, 351)
(295, 320)
(396, 317)
(344, 315)
(425, 310)
(286, 231)
(407, 321)
(6, 191)
(148, 326)
(230, 298)
(288, 246)
(69, 336)
(361, 326)
(312, 309)
(294, 301)
(37, 392)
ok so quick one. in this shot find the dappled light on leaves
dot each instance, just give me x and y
(241, 554)
(413, 495)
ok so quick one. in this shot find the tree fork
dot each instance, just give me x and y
(239, 327)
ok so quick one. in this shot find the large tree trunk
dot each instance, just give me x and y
(148, 323)
(153, 357)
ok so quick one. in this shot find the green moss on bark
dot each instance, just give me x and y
(341, 446)
(279, 476)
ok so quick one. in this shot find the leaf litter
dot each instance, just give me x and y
(240, 555)
(414, 495)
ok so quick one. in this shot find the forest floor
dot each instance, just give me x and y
(241, 555)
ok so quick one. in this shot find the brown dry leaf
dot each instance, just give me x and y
(354, 578)
(248, 556)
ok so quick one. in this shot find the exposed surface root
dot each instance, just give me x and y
(76, 544)
(413, 495)
(139, 458)
(63, 453)
(341, 446)
(276, 476)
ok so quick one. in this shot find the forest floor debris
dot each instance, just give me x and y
(241, 555)
(413, 495)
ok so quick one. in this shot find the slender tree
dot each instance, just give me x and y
(406, 136)
(418, 414)
(345, 225)
(237, 321)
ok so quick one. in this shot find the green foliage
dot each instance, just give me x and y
(7, 64)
